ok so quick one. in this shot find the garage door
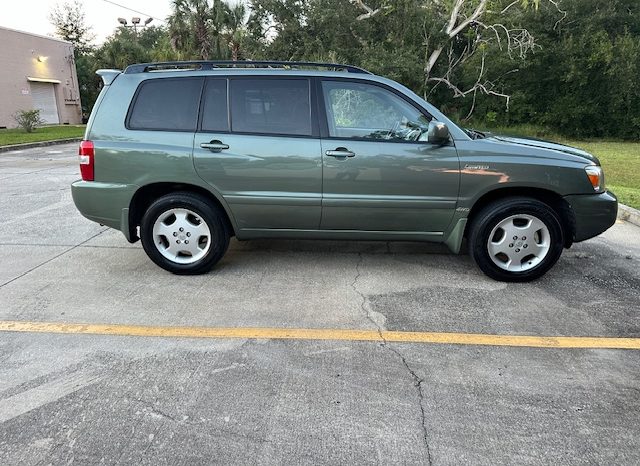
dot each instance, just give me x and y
(44, 99)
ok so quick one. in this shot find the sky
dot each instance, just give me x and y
(101, 15)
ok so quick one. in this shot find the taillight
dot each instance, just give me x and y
(86, 158)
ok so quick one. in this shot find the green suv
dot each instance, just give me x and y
(184, 155)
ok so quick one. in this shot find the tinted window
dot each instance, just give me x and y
(366, 111)
(215, 116)
(168, 104)
(272, 106)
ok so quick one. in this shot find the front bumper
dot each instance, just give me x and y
(593, 213)
(104, 203)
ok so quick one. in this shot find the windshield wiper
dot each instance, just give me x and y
(475, 134)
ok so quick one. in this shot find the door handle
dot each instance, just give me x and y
(214, 146)
(340, 152)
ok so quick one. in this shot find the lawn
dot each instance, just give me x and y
(620, 160)
(45, 133)
(621, 163)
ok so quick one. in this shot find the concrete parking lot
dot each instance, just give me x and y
(70, 396)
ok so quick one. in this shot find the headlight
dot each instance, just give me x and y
(596, 177)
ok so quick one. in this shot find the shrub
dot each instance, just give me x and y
(28, 120)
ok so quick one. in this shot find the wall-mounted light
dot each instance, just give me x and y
(42, 58)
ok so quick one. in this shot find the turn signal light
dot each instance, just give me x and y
(596, 177)
(86, 154)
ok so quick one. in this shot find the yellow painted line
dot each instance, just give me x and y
(322, 334)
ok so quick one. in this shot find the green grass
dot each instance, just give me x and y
(45, 133)
(621, 163)
(620, 159)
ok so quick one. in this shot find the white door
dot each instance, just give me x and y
(44, 99)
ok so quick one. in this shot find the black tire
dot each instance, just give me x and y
(210, 214)
(492, 215)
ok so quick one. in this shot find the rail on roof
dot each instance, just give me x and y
(204, 65)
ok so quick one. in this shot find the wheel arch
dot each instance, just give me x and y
(145, 195)
(551, 198)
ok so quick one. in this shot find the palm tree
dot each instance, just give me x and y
(195, 27)
(235, 29)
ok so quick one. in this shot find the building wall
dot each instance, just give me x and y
(19, 52)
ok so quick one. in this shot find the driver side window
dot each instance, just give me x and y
(365, 111)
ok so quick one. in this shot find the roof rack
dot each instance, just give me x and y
(204, 65)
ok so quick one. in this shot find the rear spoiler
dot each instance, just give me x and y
(108, 75)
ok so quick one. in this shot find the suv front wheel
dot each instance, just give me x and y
(184, 234)
(516, 239)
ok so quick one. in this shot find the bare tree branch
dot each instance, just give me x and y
(504, 10)
(459, 16)
(477, 13)
(486, 87)
(515, 41)
(370, 12)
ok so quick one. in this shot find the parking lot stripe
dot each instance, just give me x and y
(323, 334)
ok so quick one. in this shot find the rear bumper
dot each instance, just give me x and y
(104, 203)
(593, 213)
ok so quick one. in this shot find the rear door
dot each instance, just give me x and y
(258, 147)
(380, 173)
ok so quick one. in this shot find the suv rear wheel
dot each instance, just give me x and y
(516, 239)
(184, 234)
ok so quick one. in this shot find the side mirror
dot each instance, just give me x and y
(438, 133)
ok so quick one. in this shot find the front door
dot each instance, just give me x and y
(379, 172)
(263, 153)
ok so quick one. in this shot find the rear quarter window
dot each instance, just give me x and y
(166, 104)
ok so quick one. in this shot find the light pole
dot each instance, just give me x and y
(135, 21)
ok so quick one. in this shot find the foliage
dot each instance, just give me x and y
(46, 133)
(127, 46)
(203, 30)
(584, 80)
(570, 65)
(70, 24)
(28, 120)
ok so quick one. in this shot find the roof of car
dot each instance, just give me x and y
(245, 65)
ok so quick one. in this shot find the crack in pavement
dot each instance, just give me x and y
(417, 381)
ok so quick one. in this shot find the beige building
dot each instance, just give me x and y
(37, 72)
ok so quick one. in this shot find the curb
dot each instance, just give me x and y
(30, 145)
(629, 214)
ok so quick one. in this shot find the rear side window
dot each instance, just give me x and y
(166, 104)
(215, 116)
(271, 106)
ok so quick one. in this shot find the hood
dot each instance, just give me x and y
(541, 144)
